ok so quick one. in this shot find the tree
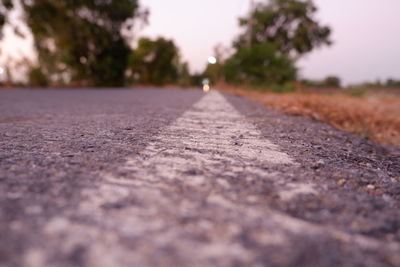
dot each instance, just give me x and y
(197, 79)
(392, 83)
(81, 40)
(289, 24)
(37, 78)
(5, 7)
(214, 72)
(259, 65)
(333, 82)
(155, 62)
(277, 34)
(184, 75)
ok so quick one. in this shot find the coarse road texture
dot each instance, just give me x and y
(181, 178)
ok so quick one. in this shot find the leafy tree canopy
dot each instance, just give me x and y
(5, 7)
(185, 79)
(82, 40)
(155, 62)
(333, 81)
(289, 24)
(259, 65)
(278, 32)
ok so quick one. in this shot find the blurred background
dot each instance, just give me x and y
(297, 47)
(259, 43)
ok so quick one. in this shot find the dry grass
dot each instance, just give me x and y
(373, 117)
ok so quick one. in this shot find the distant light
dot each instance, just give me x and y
(212, 60)
(1, 70)
(83, 60)
(206, 88)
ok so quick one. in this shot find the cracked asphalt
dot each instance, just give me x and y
(180, 178)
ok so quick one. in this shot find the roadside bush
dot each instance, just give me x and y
(283, 88)
(259, 65)
(37, 78)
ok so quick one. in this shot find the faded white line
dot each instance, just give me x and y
(294, 189)
(213, 130)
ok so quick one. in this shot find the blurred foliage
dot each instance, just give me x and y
(328, 82)
(197, 79)
(356, 91)
(283, 88)
(214, 72)
(155, 62)
(5, 7)
(389, 83)
(259, 64)
(81, 41)
(392, 83)
(37, 78)
(289, 24)
(185, 79)
(333, 81)
(277, 34)
(85, 43)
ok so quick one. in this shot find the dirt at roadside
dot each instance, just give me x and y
(375, 117)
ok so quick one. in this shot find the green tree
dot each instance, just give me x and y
(37, 78)
(81, 41)
(333, 82)
(392, 83)
(259, 64)
(155, 62)
(289, 24)
(184, 75)
(5, 7)
(214, 72)
(277, 34)
(197, 79)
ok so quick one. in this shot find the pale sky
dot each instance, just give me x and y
(366, 35)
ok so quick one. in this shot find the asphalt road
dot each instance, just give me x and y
(182, 178)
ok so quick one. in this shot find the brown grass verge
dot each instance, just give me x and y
(375, 118)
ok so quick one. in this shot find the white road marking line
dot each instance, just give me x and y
(294, 189)
(211, 132)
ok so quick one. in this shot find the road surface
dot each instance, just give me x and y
(182, 178)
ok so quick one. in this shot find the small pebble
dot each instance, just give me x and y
(371, 187)
(341, 182)
(320, 163)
